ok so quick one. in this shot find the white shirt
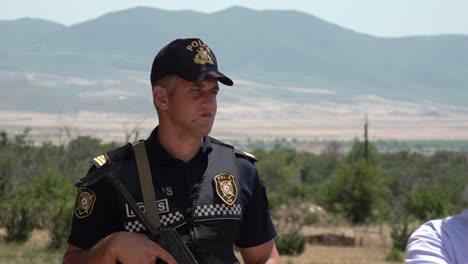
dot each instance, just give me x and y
(440, 241)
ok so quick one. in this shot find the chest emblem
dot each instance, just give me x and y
(84, 202)
(226, 188)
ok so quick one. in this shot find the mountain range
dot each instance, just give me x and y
(284, 56)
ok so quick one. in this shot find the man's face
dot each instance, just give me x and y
(192, 106)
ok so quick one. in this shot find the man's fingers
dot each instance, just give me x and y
(164, 255)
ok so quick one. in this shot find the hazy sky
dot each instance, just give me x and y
(375, 17)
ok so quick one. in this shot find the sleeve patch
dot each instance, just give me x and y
(84, 203)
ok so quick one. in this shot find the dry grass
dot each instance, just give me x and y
(315, 254)
(368, 236)
(373, 242)
(373, 250)
(34, 251)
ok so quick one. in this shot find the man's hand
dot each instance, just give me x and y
(137, 248)
(125, 247)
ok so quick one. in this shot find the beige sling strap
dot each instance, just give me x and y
(146, 183)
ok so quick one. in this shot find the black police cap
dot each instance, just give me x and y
(190, 59)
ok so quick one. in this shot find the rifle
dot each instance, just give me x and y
(166, 237)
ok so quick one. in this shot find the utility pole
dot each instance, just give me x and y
(366, 141)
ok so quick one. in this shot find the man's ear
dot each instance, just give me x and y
(160, 97)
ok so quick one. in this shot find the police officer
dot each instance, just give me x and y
(205, 189)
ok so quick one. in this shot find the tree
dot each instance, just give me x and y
(278, 167)
(357, 153)
(354, 191)
(429, 202)
(357, 189)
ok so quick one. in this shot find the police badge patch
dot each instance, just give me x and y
(203, 57)
(84, 203)
(226, 188)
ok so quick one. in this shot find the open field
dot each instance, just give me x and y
(107, 108)
(237, 125)
(372, 250)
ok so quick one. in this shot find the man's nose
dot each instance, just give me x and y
(209, 99)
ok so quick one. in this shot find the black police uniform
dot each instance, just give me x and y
(214, 201)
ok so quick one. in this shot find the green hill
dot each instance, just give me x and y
(280, 48)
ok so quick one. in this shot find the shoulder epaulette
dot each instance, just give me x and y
(246, 155)
(102, 163)
(99, 160)
(115, 155)
(239, 153)
(215, 141)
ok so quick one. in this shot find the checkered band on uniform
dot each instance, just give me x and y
(166, 219)
(134, 226)
(218, 210)
(170, 218)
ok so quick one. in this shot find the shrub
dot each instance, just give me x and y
(55, 194)
(44, 202)
(394, 256)
(400, 236)
(276, 199)
(290, 243)
(311, 218)
(60, 225)
(18, 214)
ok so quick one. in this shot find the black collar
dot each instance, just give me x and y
(157, 153)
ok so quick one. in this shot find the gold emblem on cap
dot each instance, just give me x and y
(226, 188)
(203, 57)
(84, 202)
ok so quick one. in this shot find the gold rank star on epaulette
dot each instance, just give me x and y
(99, 160)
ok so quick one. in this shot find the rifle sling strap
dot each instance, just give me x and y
(146, 183)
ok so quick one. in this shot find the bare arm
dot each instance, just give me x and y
(125, 247)
(264, 253)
